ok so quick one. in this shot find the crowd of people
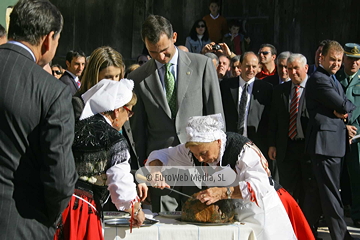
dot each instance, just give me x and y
(70, 140)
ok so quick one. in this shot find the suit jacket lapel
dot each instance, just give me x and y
(234, 89)
(184, 72)
(155, 87)
(286, 96)
(355, 79)
(332, 82)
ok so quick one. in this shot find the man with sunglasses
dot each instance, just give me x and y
(267, 55)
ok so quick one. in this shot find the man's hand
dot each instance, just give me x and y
(225, 50)
(351, 130)
(340, 115)
(208, 48)
(272, 153)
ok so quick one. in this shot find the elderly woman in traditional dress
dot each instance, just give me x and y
(260, 206)
(101, 156)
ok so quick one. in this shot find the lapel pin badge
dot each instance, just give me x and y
(187, 73)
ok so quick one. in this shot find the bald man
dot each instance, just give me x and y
(247, 114)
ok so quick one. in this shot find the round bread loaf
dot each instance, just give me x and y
(195, 211)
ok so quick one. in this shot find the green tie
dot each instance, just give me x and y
(170, 89)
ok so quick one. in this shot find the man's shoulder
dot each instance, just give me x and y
(66, 77)
(282, 87)
(262, 84)
(143, 72)
(319, 74)
(193, 57)
(340, 75)
(230, 82)
(273, 79)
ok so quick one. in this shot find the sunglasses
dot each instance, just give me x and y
(57, 72)
(200, 26)
(264, 53)
(130, 113)
(141, 62)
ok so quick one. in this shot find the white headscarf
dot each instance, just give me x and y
(106, 95)
(207, 129)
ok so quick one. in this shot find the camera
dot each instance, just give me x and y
(216, 47)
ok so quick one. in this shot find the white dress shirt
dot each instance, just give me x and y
(249, 90)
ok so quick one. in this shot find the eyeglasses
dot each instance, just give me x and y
(264, 53)
(130, 113)
(57, 72)
(200, 26)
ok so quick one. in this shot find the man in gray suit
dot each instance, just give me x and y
(171, 87)
(36, 126)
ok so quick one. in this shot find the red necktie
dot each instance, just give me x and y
(294, 109)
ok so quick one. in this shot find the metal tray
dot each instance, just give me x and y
(122, 222)
(204, 223)
(170, 214)
(115, 214)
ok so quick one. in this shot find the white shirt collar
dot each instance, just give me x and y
(215, 16)
(72, 75)
(173, 60)
(25, 47)
(106, 119)
(242, 81)
(302, 84)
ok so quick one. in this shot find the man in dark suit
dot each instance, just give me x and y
(349, 77)
(36, 126)
(317, 58)
(256, 105)
(288, 122)
(326, 138)
(282, 74)
(171, 87)
(75, 64)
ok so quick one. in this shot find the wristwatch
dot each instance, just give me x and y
(228, 193)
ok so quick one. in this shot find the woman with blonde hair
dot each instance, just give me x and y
(104, 63)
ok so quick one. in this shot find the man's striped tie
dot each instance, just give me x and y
(294, 109)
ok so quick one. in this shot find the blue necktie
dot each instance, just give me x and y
(333, 77)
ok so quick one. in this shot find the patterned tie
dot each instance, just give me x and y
(294, 109)
(77, 82)
(242, 109)
(170, 89)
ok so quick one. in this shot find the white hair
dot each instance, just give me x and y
(297, 56)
